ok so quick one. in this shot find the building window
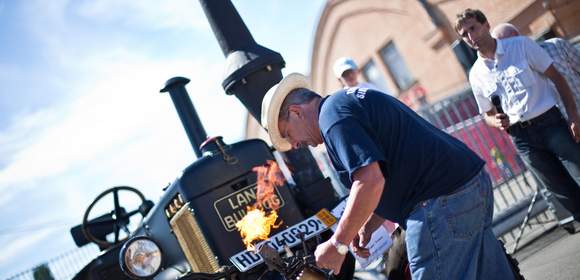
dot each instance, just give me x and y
(397, 67)
(465, 55)
(546, 35)
(372, 74)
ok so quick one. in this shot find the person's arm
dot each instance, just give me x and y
(567, 99)
(572, 55)
(364, 197)
(360, 156)
(367, 187)
(484, 105)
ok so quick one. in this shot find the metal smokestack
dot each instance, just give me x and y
(250, 69)
(228, 27)
(187, 113)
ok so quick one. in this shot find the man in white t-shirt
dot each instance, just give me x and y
(567, 62)
(516, 74)
(566, 58)
(347, 73)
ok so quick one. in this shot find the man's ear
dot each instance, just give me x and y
(295, 108)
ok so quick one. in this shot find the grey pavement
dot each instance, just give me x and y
(553, 255)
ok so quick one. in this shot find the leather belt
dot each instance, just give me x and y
(540, 118)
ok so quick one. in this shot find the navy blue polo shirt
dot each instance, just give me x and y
(419, 161)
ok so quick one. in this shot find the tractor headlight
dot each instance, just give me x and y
(140, 257)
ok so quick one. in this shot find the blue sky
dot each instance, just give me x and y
(80, 108)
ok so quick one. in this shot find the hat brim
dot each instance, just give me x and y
(343, 68)
(272, 103)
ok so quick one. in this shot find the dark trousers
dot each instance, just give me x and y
(548, 149)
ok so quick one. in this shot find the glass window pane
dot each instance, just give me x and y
(373, 76)
(396, 65)
(465, 55)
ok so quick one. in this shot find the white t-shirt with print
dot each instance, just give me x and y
(516, 76)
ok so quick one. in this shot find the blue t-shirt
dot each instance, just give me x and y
(419, 161)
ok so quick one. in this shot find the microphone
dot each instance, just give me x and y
(496, 101)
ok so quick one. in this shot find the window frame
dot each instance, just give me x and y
(411, 78)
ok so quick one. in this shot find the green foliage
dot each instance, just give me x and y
(42, 272)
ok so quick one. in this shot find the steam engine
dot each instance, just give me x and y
(193, 225)
(190, 233)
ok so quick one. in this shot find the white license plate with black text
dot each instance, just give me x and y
(290, 237)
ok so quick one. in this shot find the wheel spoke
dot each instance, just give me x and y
(116, 229)
(116, 200)
(126, 230)
(101, 222)
(128, 214)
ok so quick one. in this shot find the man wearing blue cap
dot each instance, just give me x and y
(347, 73)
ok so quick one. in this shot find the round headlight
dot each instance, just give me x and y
(140, 258)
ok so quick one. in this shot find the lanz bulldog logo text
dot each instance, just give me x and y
(232, 207)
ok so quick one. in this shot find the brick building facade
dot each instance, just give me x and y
(409, 47)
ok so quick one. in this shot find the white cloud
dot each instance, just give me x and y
(18, 134)
(46, 21)
(6, 197)
(120, 104)
(9, 71)
(153, 14)
(14, 247)
(116, 99)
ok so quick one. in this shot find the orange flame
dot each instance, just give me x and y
(257, 223)
(269, 177)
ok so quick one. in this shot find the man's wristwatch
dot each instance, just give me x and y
(341, 248)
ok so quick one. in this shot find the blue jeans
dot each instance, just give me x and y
(548, 149)
(450, 237)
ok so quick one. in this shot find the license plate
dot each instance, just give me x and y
(245, 260)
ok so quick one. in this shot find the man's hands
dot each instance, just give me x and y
(362, 239)
(574, 128)
(327, 257)
(497, 120)
(501, 121)
(365, 193)
(360, 242)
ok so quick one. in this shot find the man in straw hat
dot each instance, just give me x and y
(400, 168)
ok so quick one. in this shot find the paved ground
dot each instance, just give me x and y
(550, 254)
(554, 255)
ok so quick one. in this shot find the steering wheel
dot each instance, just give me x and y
(118, 218)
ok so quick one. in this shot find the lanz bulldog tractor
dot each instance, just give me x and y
(194, 230)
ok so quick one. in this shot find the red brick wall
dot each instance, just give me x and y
(361, 28)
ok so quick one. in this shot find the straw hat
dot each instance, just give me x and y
(272, 103)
